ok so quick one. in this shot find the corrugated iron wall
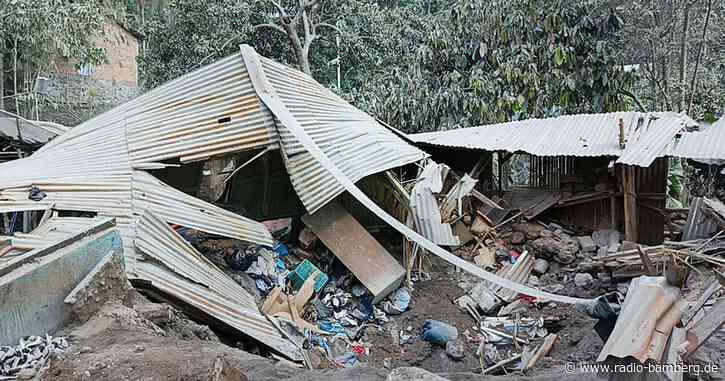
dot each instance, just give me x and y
(651, 188)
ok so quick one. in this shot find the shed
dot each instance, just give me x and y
(589, 171)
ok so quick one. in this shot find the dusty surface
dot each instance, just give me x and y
(434, 300)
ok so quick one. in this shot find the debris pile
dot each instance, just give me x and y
(30, 355)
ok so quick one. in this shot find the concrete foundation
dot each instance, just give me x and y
(32, 294)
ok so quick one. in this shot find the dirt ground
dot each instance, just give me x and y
(434, 299)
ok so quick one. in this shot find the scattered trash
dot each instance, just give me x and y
(31, 353)
(397, 302)
(36, 194)
(438, 332)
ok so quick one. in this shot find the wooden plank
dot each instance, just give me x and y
(368, 260)
(549, 201)
(630, 204)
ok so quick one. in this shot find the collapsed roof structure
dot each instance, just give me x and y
(101, 166)
(240, 103)
(594, 171)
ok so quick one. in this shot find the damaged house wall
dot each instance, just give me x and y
(609, 170)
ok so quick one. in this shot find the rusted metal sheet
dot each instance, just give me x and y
(649, 312)
(647, 135)
(365, 257)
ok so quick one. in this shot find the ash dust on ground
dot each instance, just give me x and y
(434, 299)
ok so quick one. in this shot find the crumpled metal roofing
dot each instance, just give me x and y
(647, 136)
(14, 127)
(354, 141)
(99, 166)
(706, 144)
(425, 206)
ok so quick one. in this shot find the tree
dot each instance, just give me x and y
(678, 45)
(34, 31)
(187, 34)
(303, 17)
(489, 61)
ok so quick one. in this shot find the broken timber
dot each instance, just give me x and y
(367, 259)
(292, 125)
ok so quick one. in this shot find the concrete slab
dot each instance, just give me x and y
(32, 293)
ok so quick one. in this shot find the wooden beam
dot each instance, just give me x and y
(630, 203)
(706, 327)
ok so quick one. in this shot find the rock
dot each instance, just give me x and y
(438, 332)
(486, 300)
(604, 278)
(456, 350)
(517, 238)
(413, 374)
(583, 280)
(86, 350)
(606, 237)
(517, 306)
(139, 349)
(565, 257)
(486, 258)
(587, 243)
(540, 266)
(26, 374)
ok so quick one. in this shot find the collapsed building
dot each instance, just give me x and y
(244, 103)
(258, 140)
(587, 171)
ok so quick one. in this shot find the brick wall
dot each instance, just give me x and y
(72, 97)
(121, 51)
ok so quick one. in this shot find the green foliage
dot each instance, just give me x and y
(187, 34)
(41, 29)
(489, 61)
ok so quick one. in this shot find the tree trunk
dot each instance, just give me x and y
(297, 48)
(699, 57)
(683, 56)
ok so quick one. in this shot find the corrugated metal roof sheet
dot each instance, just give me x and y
(706, 144)
(425, 206)
(354, 141)
(98, 165)
(650, 310)
(647, 136)
(180, 270)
